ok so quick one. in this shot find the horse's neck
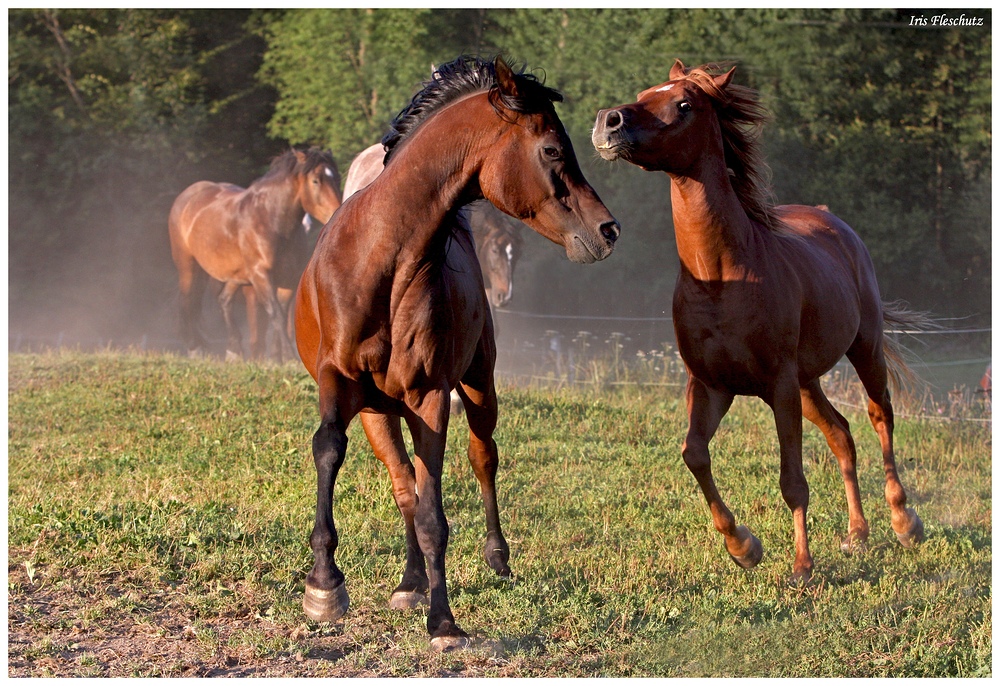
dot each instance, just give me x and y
(710, 225)
(437, 182)
(282, 203)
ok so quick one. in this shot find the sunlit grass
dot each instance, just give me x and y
(163, 475)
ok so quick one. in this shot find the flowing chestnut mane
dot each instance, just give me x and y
(741, 117)
(457, 79)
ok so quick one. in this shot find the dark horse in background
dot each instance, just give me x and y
(250, 237)
(498, 238)
(767, 299)
(389, 319)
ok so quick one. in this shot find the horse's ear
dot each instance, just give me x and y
(723, 80)
(505, 77)
(678, 71)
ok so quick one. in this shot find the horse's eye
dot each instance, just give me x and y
(684, 106)
(552, 152)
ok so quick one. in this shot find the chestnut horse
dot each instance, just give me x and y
(249, 237)
(498, 241)
(389, 319)
(767, 299)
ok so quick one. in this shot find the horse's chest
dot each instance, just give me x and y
(433, 336)
(726, 346)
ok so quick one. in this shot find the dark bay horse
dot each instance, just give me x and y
(498, 238)
(249, 237)
(767, 300)
(389, 318)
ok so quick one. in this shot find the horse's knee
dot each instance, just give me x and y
(696, 456)
(329, 444)
(432, 530)
(794, 490)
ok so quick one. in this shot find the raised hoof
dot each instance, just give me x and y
(753, 550)
(325, 606)
(915, 533)
(447, 644)
(497, 558)
(407, 600)
(233, 356)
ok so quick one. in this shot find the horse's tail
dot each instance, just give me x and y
(900, 320)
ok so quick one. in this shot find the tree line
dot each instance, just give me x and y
(112, 112)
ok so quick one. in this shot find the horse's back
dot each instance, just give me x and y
(364, 168)
(830, 239)
(837, 269)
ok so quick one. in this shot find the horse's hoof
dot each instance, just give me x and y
(325, 606)
(800, 578)
(407, 600)
(914, 533)
(233, 356)
(447, 644)
(752, 551)
(854, 543)
(496, 558)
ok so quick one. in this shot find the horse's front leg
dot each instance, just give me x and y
(786, 403)
(234, 346)
(706, 408)
(325, 593)
(264, 289)
(428, 423)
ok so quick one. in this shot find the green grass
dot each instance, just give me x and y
(133, 479)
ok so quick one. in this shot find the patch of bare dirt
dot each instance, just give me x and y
(74, 632)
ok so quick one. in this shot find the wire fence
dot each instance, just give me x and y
(618, 352)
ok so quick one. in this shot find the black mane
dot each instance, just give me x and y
(458, 78)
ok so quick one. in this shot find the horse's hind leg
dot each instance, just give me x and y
(706, 408)
(480, 400)
(871, 368)
(837, 430)
(386, 437)
(427, 418)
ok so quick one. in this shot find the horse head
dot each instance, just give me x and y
(318, 182)
(532, 174)
(499, 247)
(669, 126)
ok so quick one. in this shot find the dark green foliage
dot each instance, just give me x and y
(113, 112)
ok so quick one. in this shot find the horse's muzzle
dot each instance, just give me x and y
(609, 135)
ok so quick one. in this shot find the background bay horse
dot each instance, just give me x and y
(498, 238)
(248, 237)
(388, 320)
(767, 299)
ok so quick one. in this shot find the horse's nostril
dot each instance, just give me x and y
(613, 119)
(611, 230)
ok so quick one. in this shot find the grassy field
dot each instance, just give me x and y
(159, 510)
